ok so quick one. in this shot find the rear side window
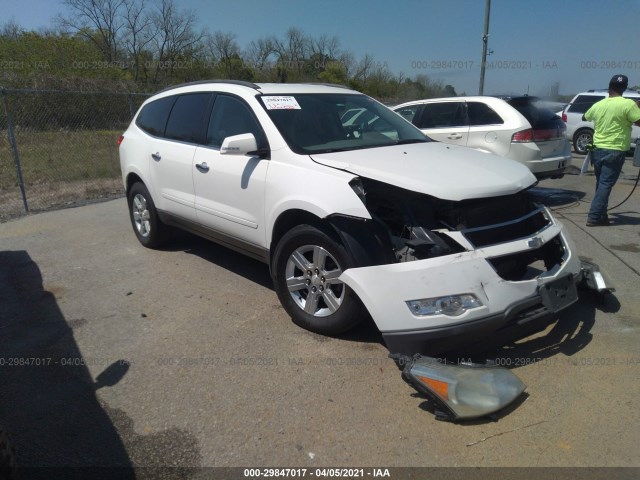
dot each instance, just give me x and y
(153, 117)
(582, 103)
(482, 114)
(441, 115)
(185, 122)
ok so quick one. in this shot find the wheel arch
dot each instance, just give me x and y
(581, 130)
(288, 220)
(131, 179)
(366, 241)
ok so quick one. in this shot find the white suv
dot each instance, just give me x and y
(519, 128)
(441, 245)
(579, 131)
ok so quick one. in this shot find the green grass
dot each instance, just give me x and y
(59, 156)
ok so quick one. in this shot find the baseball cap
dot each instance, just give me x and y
(619, 82)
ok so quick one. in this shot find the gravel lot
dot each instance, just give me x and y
(184, 357)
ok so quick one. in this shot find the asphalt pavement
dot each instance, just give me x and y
(113, 354)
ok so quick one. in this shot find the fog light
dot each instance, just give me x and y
(452, 305)
(461, 391)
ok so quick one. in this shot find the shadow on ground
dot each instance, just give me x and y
(48, 401)
(554, 197)
(257, 272)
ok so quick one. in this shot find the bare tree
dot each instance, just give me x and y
(223, 47)
(11, 30)
(137, 33)
(175, 36)
(328, 47)
(292, 52)
(348, 62)
(259, 51)
(364, 69)
(99, 21)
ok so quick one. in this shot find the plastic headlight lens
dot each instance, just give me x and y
(452, 305)
(467, 391)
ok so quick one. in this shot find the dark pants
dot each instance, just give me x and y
(607, 165)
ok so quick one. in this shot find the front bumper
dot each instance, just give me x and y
(506, 305)
(542, 165)
(519, 320)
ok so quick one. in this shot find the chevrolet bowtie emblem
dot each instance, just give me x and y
(535, 242)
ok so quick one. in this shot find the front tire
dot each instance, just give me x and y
(307, 264)
(149, 229)
(582, 139)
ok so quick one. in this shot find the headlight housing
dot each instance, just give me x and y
(461, 391)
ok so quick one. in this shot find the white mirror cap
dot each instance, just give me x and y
(239, 144)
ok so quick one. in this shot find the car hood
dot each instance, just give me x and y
(448, 172)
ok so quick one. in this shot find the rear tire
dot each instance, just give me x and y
(307, 264)
(149, 229)
(581, 139)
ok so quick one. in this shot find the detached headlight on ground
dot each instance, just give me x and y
(461, 391)
(451, 305)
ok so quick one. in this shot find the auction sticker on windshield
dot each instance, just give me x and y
(273, 102)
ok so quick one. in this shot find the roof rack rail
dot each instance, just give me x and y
(338, 85)
(205, 82)
(628, 90)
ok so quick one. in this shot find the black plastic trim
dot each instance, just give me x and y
(212, 82)
(251, 250)
(366, 241)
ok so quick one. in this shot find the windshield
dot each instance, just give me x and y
(322, 123)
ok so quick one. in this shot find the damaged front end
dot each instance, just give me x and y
(441, 274)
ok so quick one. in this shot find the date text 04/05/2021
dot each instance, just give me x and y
(317, 472)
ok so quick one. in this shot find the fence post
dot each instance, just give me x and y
(132, 112)
(14, 149)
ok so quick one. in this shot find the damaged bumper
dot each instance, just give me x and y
(504, 305)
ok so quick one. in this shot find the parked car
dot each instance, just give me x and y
(517, 128)
(440, 244)
(579, 131)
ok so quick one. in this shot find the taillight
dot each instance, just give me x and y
(120, 139)
(523, 136)
(564, 117)
(541, 135)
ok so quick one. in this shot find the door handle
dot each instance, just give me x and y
(202, 167)
(156, 156)
(455, 136)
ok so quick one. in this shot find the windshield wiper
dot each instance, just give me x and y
(407, 141)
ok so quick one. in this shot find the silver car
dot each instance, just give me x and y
(519, 128)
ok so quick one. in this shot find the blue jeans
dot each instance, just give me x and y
(607, 165)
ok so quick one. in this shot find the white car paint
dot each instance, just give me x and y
(242, 196)
(444, 171)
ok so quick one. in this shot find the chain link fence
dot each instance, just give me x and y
(59, 148)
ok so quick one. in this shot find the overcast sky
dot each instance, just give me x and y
(578, 43)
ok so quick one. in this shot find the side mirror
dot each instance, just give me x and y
(243, 144)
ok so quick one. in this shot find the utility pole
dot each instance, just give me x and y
(485, 42)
